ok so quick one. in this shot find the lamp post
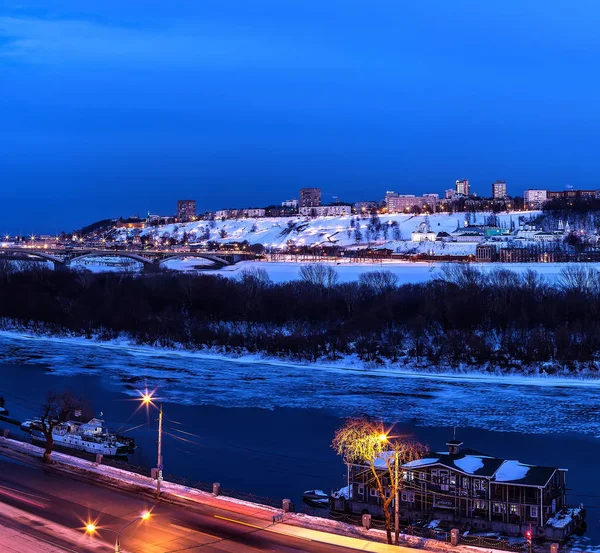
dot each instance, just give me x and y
(384, 438)
(147, 400)
(91, 528)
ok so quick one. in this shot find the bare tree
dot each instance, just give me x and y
(579, 279)
(319, 275)
(464, 275)
(363, 442)
(57, 408)
(379, 281)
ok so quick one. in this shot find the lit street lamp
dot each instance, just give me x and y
(384, 438)
(91, 529)
(147, 400)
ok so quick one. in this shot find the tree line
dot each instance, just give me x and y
(462, 316)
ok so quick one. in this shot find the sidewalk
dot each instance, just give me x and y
(293, 524)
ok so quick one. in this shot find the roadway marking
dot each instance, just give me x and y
(240, 522)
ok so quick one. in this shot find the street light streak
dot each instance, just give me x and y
(184, 432)
(185, 440)
(23, 499)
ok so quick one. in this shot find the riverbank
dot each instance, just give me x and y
(544, 374)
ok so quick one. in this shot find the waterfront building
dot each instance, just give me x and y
(471, 489)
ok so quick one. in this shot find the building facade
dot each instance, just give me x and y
(499, 190)
(571, 193)
(292, 204)
(535, 198)
(332, 210)
(249, 213)
(474, 490)
(310, 197)
(404, 203)
(365, 207)
(186, 210)
(463, 188)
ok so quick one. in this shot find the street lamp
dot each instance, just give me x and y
(91, 529)
(384, 439)
(147, 400)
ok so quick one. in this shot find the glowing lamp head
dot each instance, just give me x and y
(90, 527)
(383, 437)
(146, 399)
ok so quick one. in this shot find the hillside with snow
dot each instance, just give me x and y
(390, 231)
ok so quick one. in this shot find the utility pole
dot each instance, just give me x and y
(397, 499)
(159, 462)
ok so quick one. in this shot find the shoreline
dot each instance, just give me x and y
(347, 365)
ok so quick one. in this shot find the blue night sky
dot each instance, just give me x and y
(117, 107)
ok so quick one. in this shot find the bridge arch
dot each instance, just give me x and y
(18, 253)
(128, 255)
(217, 260)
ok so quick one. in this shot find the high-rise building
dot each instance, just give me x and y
(310, 197)
(463, 188)
(499, 189)
(186, 210)
(449, 193)
(535, 199)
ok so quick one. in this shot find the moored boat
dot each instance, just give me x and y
(90, 437)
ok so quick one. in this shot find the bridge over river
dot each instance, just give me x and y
(151, 260)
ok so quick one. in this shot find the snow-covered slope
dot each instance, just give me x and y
(279, 232)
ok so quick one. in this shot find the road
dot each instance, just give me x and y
(66, 501)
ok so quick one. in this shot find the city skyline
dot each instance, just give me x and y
(110, 111)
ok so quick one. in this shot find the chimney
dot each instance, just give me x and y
(453, 446)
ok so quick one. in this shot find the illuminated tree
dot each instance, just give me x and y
(363, 442)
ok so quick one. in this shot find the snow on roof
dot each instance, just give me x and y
(469, 463)
(511, 470)
(421, 462)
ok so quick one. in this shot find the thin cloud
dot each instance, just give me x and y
(47, 41)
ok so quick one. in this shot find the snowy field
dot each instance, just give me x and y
(281, 231)
(407, 272)
(482, 401)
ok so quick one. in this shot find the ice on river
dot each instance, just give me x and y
(492, 403)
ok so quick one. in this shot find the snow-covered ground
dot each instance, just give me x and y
(407, 272)
(302, 231)
(487, 401)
